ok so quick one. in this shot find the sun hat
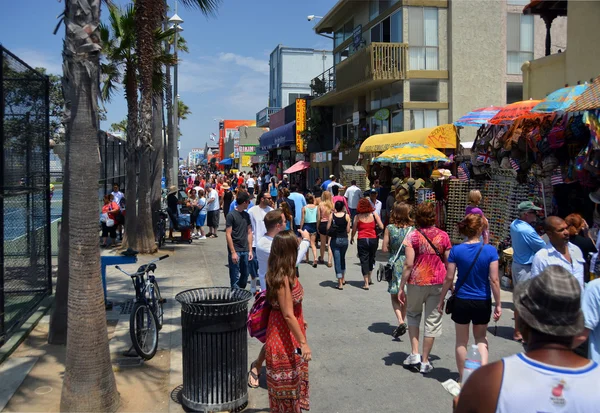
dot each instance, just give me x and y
(172, 189)
(436, 174)
(551, 302)
(528, 206)
(446, 173)
(225, 186)
(595, 196)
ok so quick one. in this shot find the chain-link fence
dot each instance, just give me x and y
(25, 270)
(112, 156)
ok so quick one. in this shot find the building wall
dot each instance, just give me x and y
(583, 57)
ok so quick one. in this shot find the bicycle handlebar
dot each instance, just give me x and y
(144, 265)
(163, 257)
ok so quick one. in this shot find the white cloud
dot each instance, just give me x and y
(36, 58)
(249, 94)
(257, 65)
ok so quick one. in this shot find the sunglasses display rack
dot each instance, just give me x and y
(425, 195)
(499, 204)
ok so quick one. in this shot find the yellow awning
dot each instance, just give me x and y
(440, 137)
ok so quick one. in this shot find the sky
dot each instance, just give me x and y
(224, 75)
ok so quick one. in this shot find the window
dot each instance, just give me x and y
(398, 92)
(396, 27)
(424, 90)
(423, 38)
(293, 96)
(397, 121)
(387, 95)
(344, 33)
(514, 92)
(379, 126)
(376, 7)
(375, 99)
(341, 56)
(338, 38)
(519, 42)
(388, 30)
(420, 119)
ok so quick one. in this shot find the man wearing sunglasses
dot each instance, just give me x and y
(525, 242)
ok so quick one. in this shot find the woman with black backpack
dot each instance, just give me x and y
(338, 228)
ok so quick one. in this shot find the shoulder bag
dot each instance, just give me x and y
(385, 272)
(258, 317)
(437, 252)
(450, 301)
(333, 230)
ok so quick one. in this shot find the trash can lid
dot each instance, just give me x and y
(214, 300)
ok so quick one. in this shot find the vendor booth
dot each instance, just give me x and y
(280, 143)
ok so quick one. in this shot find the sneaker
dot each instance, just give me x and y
(426, 368)
(412, 360)
(202, 237)
(399, 331)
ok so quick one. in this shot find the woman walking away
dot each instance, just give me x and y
(273, 188)
(309, 223)
(109, 212)
(287, 212)
(365, 223)
(287, 368)
(477, 265)
(323, 213)
(426, 252)
(473, 208)
(399, 228)
(340, 222)
(201, 220)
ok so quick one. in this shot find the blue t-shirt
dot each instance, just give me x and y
(590, 305)
(477, 286)
(525, 242)
(325, 184)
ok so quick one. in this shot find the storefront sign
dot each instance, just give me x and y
(300, 124)
(248, 148)
(236, 144)
(299, 157)
(355, 118)
(382, 114)
(319, 157)
(258, 158)
(357, 39)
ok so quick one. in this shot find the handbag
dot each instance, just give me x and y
(450, 301)
(332, 231)
(386, 271)
(258, 317)
(110, 222)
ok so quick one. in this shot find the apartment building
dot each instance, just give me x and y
(411, 64)
(291, 71)
(579, 63)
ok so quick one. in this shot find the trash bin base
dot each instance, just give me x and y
(234, 406)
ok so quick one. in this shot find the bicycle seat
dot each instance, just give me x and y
(130, 252)
(147, 267)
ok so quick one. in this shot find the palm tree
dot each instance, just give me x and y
(148, 17)
(89, 382)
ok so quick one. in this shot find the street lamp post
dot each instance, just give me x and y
(174, 135)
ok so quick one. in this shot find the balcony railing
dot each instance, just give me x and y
(377, 62)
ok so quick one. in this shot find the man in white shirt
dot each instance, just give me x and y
(353, 195)
(333, 183)
(212, 208)
(274, 223)
(117, 194)
(250, 183)
(375, 203)
(257, 219)
(559, 251)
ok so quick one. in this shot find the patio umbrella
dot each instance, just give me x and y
(514, 111)
(411, 152)
(589, 99)
(560, 99)
(478, 117)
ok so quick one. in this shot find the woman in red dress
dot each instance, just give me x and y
(287, 351)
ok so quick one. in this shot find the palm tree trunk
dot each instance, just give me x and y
(169, 104)
(131, 184)
(157, 159)
(89, 382)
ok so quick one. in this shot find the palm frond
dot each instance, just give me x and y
(110, 77)
(207, 7)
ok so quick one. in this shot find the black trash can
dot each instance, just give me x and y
(215, 348)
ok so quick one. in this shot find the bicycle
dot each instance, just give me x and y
(161, 228)
(147, 316)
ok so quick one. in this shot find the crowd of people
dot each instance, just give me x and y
(271, 228)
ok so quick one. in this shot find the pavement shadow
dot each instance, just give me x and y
(508, 305)
(356, 284)
(329, 283)
(505, 332)
(395, 359)
(442, 374)
(381, 328)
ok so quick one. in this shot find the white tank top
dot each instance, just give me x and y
(529, 386)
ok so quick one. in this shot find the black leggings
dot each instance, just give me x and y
(367, 249)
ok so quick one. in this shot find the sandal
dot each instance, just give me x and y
(314, 264)
(253, 376)
(365, 288)
(321, 261)
(329, 265)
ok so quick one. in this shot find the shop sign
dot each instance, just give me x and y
(299, 157)
(357, 39)
(355, 118)
(382, 114)
(236, 144)
(319, 157)
(247, 148)
(300, 124)
(246, 161)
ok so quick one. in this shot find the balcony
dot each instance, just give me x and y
(375, 65)
(262, 117)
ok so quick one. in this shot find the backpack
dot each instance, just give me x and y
(258, 317)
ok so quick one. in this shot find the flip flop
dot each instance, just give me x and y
(254, 376)
(365, 288)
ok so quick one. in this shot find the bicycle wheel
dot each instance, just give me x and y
(143, 331)
(156, 302)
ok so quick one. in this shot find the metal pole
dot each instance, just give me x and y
(2, 185)
(175, 136)
(46, 191)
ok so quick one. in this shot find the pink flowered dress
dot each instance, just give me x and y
(287, 372)
(428, 269)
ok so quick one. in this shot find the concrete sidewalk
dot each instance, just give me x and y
(356, 363)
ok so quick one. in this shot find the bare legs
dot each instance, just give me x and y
(325, 244)
(413, 333)
(399, 309)
(462, 340)
(256, 366)
(517, 334)
(313, 247)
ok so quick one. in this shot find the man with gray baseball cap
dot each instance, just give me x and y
(525, 243)
(549, 376)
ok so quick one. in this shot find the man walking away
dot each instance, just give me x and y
(333, 183)
(325, 184)
(274, 223)
(549, 376)
(353, 195)
(238, 231)
(299, 201)
(250, 183)
(212, 214)
(559, 251)
(525, 242)
(257, 220)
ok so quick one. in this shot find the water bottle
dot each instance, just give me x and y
(472, 363)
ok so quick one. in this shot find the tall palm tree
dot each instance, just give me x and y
(89, 382)
(183, 110)
(148, 17)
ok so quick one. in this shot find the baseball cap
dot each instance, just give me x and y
(372, 191)
(551, 302)
(528, 206)
(331, 176)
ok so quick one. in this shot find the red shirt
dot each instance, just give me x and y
(366, 229)
(240, 181)
(110, 205)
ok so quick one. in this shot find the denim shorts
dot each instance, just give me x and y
(311, 227)
(200, 220)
